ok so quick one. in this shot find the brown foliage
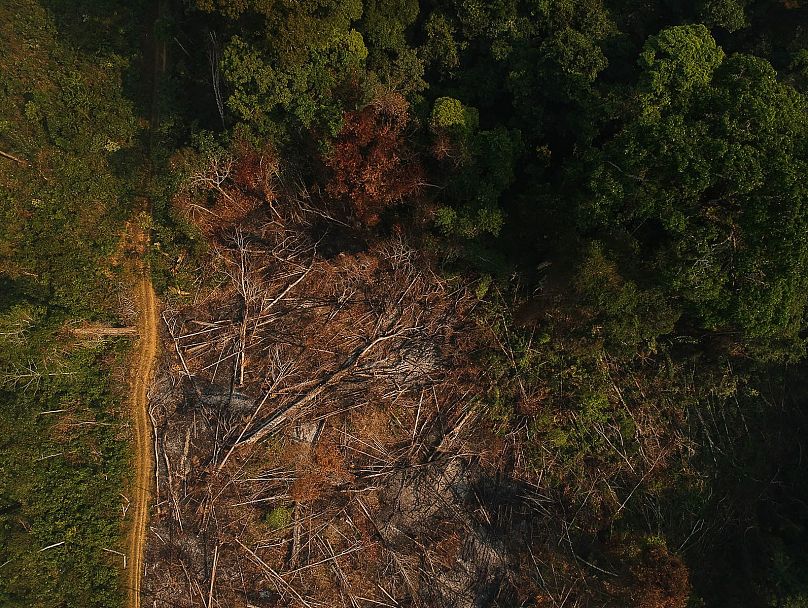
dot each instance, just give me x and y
(308, 487)
(236, 184)
(254, 171)
(331, 462)
(370, 164)
(445, 148)
(663, 580)
(657, 578)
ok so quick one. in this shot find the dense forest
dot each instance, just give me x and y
(70, 140)
(580, 226)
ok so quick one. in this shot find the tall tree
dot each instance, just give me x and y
(706, 174)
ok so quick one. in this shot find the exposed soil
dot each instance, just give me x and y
(144, 464)
(147, 347)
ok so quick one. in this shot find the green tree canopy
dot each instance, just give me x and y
(266, 97)
(483, 167)
(707, 174)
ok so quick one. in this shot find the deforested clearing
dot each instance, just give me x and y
(317, 433)
(319, 437)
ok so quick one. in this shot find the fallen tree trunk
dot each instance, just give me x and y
(267, 426)
(25, 163)
(93, 331)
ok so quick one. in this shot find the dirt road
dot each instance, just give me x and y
(144, 359)
(144, 466)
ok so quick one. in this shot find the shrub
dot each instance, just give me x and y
(278, 518)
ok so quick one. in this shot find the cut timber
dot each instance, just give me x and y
(265, 427)
(25, 163)
(94, 331)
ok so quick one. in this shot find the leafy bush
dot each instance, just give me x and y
(278, 518)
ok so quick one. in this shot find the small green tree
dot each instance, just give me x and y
(483, 163)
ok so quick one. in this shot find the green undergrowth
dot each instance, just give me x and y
(71, 112)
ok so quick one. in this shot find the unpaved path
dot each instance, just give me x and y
(144, 460)
(144, 359)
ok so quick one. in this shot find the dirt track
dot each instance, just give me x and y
(143, 362)
(144, 465)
